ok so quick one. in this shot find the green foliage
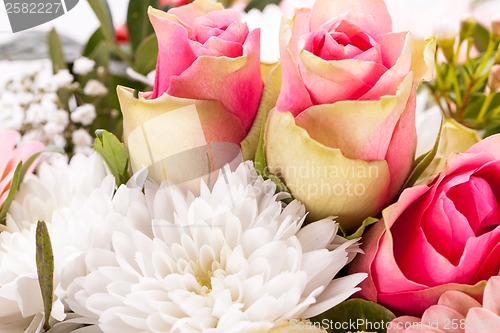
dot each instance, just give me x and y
(260, 4)
(56, 52)
(355, 315)
(138, 24)
(45, 269)
(358, 233)
(103, 14)
(114, 154)
(146, 54)
(422, 162)
(460, 88)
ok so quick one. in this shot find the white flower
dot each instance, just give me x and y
(95, 88)
(51, 129)
(61, 79)
(231, 260)
(76, 200)
(81, 137)
(82, 142)
(84, 114)
(36, 114)
(56, 185)
(59, 141)
(11, 118)
(83, 66)
(60, 117)
(444, 30)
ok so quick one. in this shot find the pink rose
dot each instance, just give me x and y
(10, 156)
(207, 53)
(207, 91)
(438, 237)
(348, 91)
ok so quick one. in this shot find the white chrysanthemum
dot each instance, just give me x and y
(58, 185)
(231, 260)
(82, 212)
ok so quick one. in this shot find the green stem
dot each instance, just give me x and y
(486, 57)
(484, 108)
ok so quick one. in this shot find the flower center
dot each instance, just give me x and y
(339, 40)
(204, 279)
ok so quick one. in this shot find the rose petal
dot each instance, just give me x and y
(370, 15)
(442, 316)
(367, 140)
(481, 320)
(399, 324)
(215, 124)
(422, 59)
(362, 262)
(491, 301)
(459, 301)
(293, 96)
(235, 82)
(396, 56)
(488, 145)
(477, 202)
(188, 14)
(171, 37)
(401, 151)
(415, 302)
(224, 24)
(332, 81)
(332, 184)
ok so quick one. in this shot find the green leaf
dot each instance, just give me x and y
(114, 153)
(29, 162)
(146, 54)
(94, 40)
(100, 54)
(101, 10)
(45, 269)
(260, 4)
(17, 179)
(138, 24)
(366, 223)
(268, 101)
(422, 162)
(355, 315)
(481, 37)
(56, 52)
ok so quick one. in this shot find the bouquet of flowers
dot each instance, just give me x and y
(238, 195)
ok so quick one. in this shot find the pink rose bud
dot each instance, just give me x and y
(343, 134)
(207, 90)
